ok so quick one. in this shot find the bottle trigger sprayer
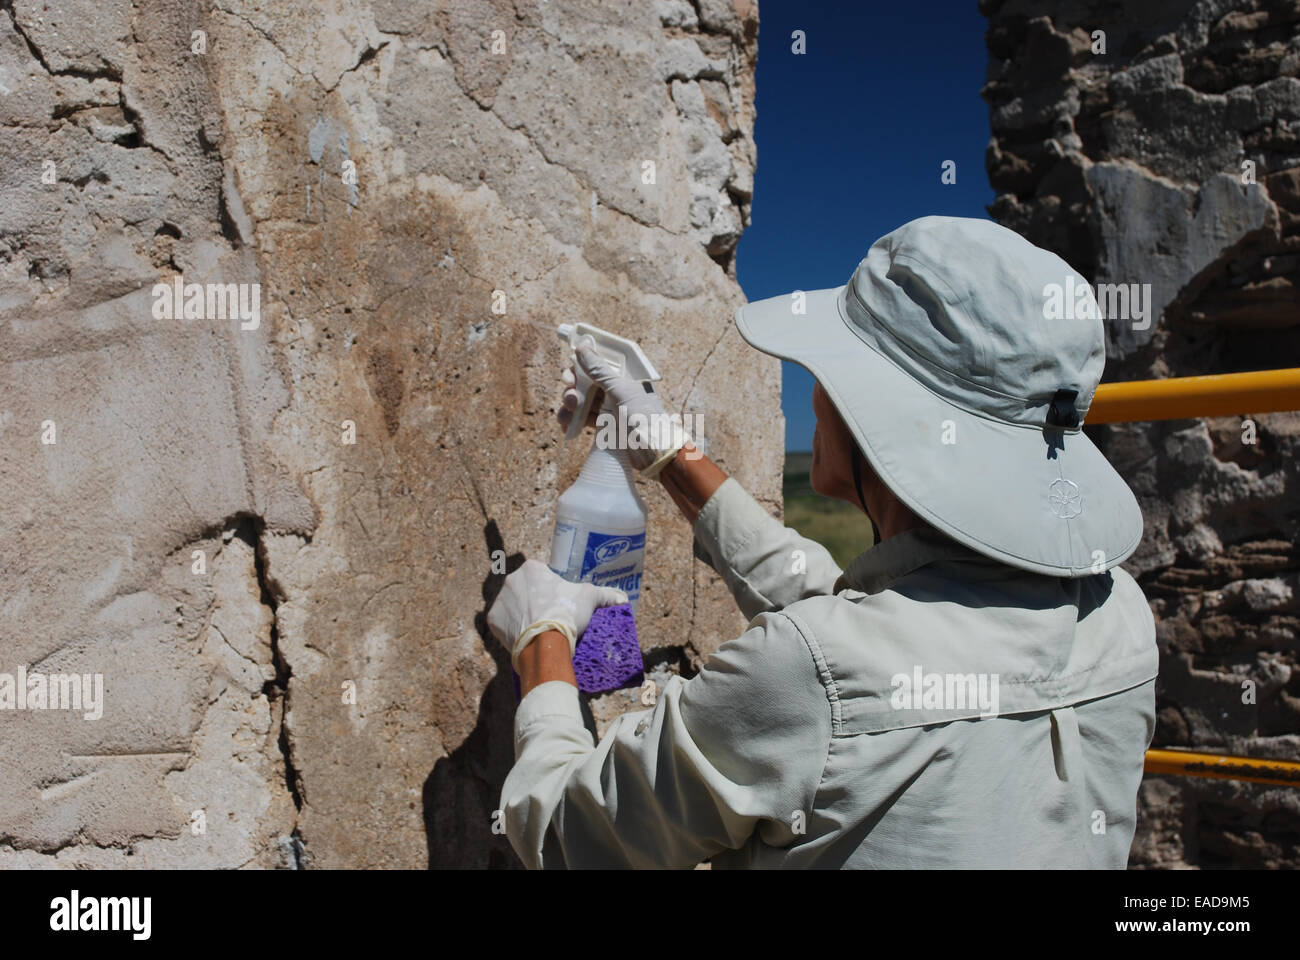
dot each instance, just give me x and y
(600, 519)
(625, 355)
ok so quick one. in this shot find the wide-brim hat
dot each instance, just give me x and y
(963, 360)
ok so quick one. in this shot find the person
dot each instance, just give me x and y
(974, 691)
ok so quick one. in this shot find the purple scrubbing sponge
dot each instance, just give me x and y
(608, 656)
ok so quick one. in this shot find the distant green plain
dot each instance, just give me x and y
(837, 526)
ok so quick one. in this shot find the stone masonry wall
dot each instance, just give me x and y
(1129, 163)
(184, 511)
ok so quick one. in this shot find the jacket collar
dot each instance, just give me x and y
(875, 569)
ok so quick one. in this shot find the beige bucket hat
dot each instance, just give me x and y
(964, 394)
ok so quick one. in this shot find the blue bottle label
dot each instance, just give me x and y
(614, 560)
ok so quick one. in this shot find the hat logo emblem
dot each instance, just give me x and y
(1064, 498)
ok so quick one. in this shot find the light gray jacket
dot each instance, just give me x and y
(844, 727)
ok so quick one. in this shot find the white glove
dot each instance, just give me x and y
(534, 600)
(654, 435)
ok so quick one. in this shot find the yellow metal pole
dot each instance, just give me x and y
(1227, 394)
(1190, 764)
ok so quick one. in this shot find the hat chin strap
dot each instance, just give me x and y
(857, 485)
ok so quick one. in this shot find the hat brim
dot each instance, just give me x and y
(993, 486)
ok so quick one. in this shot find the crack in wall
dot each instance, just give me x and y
(367, 55)
(262, 32)
(252, 530)
(722, 258)
(107, 72)
(133, 140)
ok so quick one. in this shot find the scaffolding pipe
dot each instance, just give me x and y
(1188, 763)
(1177, 398)
(1220, 395)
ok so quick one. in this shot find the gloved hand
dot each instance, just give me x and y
(654, 435)
(534, 600)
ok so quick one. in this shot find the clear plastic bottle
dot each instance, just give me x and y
(600, 526)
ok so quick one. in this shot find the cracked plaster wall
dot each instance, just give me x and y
(327, 562)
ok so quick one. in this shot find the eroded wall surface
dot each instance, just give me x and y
(290, 624)
(1172, 159)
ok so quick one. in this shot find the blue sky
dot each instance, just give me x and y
(851, 138)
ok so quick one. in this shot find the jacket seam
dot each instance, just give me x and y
(824, 674)
(832, 698)
(1060, 706)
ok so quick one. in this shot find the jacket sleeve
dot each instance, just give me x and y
(737, 749)
(766, 566)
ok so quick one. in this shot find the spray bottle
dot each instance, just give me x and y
(600, 529)
(600, 519)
